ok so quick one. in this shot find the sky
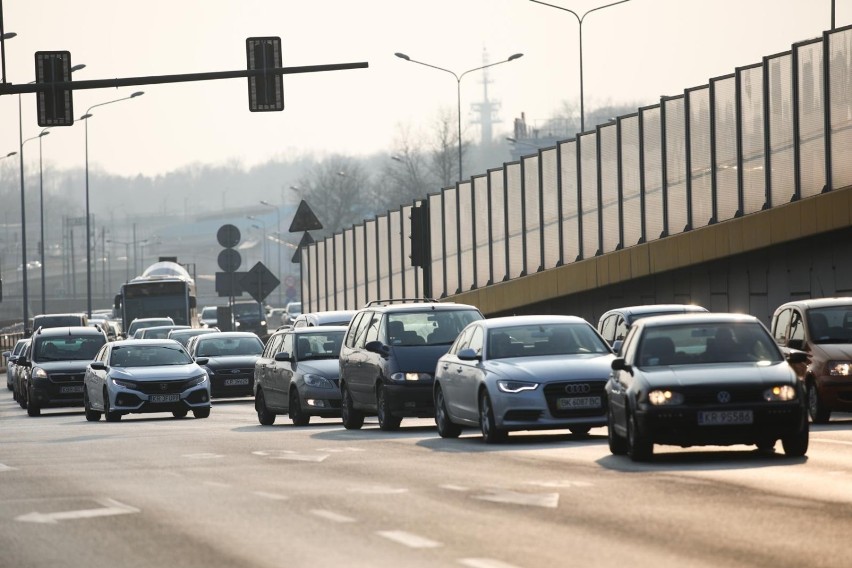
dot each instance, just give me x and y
(632, 53)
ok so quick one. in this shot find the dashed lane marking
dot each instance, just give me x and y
(408, 539)
(4, 467)
(273, 496)
(546, 500)
(484, 563)
(332, 516)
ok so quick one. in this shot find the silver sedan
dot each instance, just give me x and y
(523, 373)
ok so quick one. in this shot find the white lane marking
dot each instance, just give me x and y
(205, 456)
(218, 484)
(484, 563)
(273, 496)
(830, 441)
(4, 467)
(339, 450)
(378, 490)
(332, 516)
(559, 484)
(546, 500)
(110, 507)
(291, 455)
(408, 539)
(454, 487)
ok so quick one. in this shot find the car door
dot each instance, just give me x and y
(357, 361)
(94, 381)
(620, 382)
(373, 364)
(469, 376)
(264, 363)
(279, 375)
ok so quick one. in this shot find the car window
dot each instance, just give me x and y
(533, 340)
(228, 346)
(101, 356)
(287, 344)
(725, 342)
(797, 327)
(780, 329)
(361, 332)
(352, 332)
(272, 346)
(148, 355)
(476, 340)
(433, 327)
(607, 327)
(68, 348)
(621, 328)
(831, 325)
(319, 345)
(461, 341)
(372, 333)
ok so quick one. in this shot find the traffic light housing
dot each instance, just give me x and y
(419, 235)
(266, 90)
(55, 105)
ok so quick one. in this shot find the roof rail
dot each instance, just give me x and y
(400, 301)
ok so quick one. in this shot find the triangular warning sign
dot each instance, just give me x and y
(306, 240)
(304, 219)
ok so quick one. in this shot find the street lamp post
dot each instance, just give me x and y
(458, 87)
(259, 220)
(278, 244)
(580, 21)
(44, 132)
(86, 117)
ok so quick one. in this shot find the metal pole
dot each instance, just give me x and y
(458, 93)
(582, 97)
(41, 221)
(23, 217)
(88, 236)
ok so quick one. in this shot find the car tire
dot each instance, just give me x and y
(446, 427)
(387, 421)
(796, 445)
(33, 409)
(22, 398)
(91, 415)
(264, 416)
(201, 412)
(817, 410)
(352, 419)
(109, 415)
(180, 413)
(297, 413)
(639, 446)
(617, 444)
(491, 434)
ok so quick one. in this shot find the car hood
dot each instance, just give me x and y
(832, 351)
(63, 366)
(418, 358)
(328, 368)
(234, 362)
(720, 374)
(554, 368)
(158, 373)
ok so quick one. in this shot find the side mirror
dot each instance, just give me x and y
(202, 360)
(798, 344)
(616, 345)
(618, 364)
(798, 357)
(97, 366)
(7, 354)
(468, 354)
(282, 356)
(22, 361)
(377, 347)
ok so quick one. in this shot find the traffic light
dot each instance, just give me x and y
(266, 91)
(55, 104)
(419, 235)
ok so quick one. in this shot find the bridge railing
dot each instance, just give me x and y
(769, 133)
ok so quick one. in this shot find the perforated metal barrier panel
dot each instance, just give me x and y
(570, 201)
(675, 137)
(840, 72)
(550, 207)
(631, 181)
(610, 226)
(481, 236)
(781, 129)
(466, 223)
(811, 118)
(514, 214)
(653, 171)
(498, 218)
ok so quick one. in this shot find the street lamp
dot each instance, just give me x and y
(259, 220)
(44, 132)
(458, 87)
(278, 247)
(580, 21)
(86, 117)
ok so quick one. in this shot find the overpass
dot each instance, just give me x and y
(735, 194)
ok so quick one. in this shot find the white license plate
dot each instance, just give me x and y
(236, 382)
(725, 417)
(71, 389)
(164, 397)
(578, 402)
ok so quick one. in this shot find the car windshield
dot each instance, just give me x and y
(208, 313)
(724, 342)
(228, 346)
(319, 345)
(438, 327)
(67, 348)
(56, 321)
(250, 310)
(148, 356)
(831, 325)
(536, 340)
(137, 325)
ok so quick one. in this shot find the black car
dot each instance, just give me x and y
(250, 316)
(614, 324)
(388, 358)
(54, 366)
(229, 358)
(704, 379)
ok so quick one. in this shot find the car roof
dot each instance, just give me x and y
(75, 330)
(163, 318)
(512, 321)
(698, 318)
(316, 328)
(655, 308)
(232, 334)
(72, 314)
(816, 303)
(193, 331)
(128, 342)
(415, 306)
(162, 327)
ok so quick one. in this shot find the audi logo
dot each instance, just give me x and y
(581, 388)
(724, 397)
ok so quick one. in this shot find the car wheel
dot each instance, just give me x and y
(819, 413)
(639, 447)
(264, 416)
(22, 398)
(33, 409)
(446, 427)
(201, 412)
(387, 421)
(91, 415)
(617, 444)
(580, 430)
(491, 434)
(108, 414)
(352, 419)
(297, 413)
(179, 413)
(796, 445)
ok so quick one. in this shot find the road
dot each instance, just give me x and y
(225, 492)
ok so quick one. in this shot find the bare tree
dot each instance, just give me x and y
(339, 191)
(407, 175)
(444, 149)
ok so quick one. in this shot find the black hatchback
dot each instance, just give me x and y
(389, 355)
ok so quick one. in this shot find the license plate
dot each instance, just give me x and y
(71, 389)
(578, 402)
(236, 382)
(725, 417)
(164, 397)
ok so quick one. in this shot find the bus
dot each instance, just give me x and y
(165, 289)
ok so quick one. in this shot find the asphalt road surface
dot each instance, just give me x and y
(226, 492)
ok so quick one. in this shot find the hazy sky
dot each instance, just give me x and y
(633, 52)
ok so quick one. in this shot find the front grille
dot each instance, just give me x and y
(66, 377)
(240, 373)
(738, 395)
(162, 387)
(578, 389)
(522, 415)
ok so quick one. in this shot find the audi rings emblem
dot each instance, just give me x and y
(724, 397)
(581, 388)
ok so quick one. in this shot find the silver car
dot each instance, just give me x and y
(523, 373)
(144, 375)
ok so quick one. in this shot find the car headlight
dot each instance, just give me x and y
(410, 377)
(236, 324)
(125, 384)
(779, 393)
(661, 397)
(839, 368)
(263, 324)
(196, 380)
(516, 386)
(318, 382)
(39, 373)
